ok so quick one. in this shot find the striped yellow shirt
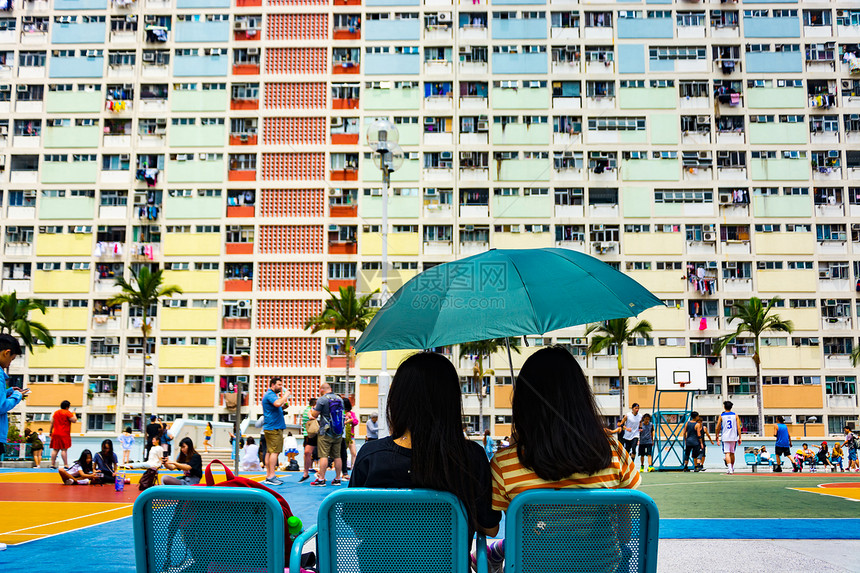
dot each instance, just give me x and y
(511, 478)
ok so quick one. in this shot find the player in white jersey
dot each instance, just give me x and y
(728, 431)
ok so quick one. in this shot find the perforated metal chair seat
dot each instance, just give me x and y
(391, 531)
(207, 530)
(581, 530)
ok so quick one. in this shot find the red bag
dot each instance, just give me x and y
(233, 481)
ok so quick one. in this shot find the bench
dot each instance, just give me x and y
(388, 530)
(207, 530)
(754, 461)
(581, 530)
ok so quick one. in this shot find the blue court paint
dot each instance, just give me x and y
(755, 528)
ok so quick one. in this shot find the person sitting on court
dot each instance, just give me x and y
(155, 459)
(427, 448)
(81, 472)
(189, 462)
(822, 456)
(250, 459)
(106, 462)
(836, 456)
(565, 446)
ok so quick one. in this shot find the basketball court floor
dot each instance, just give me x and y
(729, 521)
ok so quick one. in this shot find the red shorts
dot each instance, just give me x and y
(59, 442)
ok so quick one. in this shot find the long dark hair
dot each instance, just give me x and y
(556, 424)
(425, 401)
(86, 466)
(184, 458)
(109, 444)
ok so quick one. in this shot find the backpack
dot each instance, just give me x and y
(335, 409)
(147, 480)
(856, 442)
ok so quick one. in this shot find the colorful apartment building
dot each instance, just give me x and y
(708, 149)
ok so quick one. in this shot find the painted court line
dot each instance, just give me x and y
(64, 520)
(823, 491)
(40, 536)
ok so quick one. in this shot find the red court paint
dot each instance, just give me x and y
(67, 493)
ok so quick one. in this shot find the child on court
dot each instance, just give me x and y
(291, 449)
(646, 443)
(126, 440)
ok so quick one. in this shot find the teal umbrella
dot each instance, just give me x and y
(503, 293)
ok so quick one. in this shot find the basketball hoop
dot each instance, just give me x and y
(681, 378)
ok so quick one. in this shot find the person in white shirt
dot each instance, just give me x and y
(728, 431)
(155, 459)
(631, 423)
(250, 459)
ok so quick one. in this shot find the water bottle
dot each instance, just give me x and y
(119, 481)
(294, 526)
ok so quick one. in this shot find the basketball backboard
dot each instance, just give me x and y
(682, 374)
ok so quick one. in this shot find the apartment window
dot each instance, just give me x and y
(840, 385)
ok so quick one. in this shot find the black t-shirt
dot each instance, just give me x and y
(385, 465)
(196, 463)
(152, 430)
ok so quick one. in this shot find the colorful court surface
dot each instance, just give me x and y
(845, 490)
(42, 520)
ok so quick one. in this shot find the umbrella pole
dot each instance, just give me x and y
(510, 361)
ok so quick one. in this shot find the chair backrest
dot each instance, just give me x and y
(581, 530)
(407, 530)
(751, 459)
(208, 530)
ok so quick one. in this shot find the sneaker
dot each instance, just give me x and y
(304, 478)
(650, 468)
(273, 481)
(334, 482)
(318, 482)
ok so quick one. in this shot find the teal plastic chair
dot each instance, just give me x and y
(382, 530)
(581, 530)
(207, 530)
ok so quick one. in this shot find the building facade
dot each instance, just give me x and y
(707, 149)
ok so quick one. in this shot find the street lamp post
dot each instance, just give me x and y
(382, 138)
(808, 420)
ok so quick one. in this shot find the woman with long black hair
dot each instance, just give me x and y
(427, 448)
(189, 462)
(81, 472)
(106, 461)
(558, 440)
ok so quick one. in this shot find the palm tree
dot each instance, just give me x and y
(143, 291)
(347, 312)
(480, 349)
(855, 356)
(14, 317)
(754, 318)
(616, 332)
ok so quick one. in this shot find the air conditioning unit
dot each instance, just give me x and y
(160, 130)
(23, 88)
(244, 303)
(333, 228)
(830, 302)
(466, 155)
(708, 237)
(111, 340)
(253, 51)
(5, 88)
(444, 17)
(92, 53)
(148, 57)
(430, 193)
(332, 341)
(725, 199)
(240, 25)
(243, 342)
(483, 126)
(468, 227)
(513, 49)
(464, 49)
(734, 379)
(376, 192)
(429, 121)
(334, 193)
(201, 156)
(446, 155)
(181, 157)
(4, 130)
(708, 228)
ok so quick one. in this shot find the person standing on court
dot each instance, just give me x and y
(61, 433)
(783, 444)
(273, 427)
(309, 442)
(372, 426)
(728, 425)
(10, 349)
(632, 426)
(692, 441)
(329, 411)
(153, 430)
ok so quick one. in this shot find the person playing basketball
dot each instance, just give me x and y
(727, 432)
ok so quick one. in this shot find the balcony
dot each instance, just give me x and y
(236, 361)
(347, 174)
(343, 247)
